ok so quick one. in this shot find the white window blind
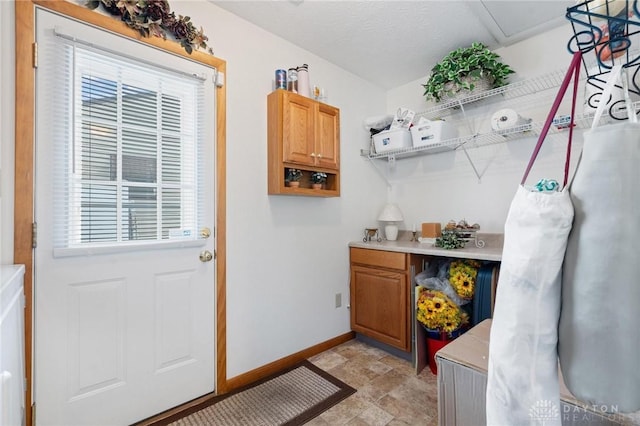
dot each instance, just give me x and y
(128, 140)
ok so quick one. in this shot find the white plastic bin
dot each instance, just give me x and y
(390, 140)
(432, 133)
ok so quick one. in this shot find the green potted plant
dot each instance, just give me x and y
(463, 69)
(292, 177)
(449, 240)
(317, 179)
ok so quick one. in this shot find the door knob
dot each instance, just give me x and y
(206, 256)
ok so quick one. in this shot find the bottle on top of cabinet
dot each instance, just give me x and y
(292, 80)
(303, 81)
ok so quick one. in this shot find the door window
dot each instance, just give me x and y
(131, 139)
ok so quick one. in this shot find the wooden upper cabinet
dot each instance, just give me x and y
(328, 140)
(298, 129)
(310, 131)
(303, 134)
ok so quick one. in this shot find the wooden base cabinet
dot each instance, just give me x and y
(380, 295)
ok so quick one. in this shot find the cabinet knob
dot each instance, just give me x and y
(313, 154)
(319, 155)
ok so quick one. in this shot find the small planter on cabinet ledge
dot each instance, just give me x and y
(318, 180)
(292, 177)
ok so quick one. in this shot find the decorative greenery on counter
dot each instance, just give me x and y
(153, 17)
(449, 240)
(462, 68)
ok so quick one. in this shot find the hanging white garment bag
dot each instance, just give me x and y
(522, 380)
(599, 331)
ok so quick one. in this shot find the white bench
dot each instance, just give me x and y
(462, 383)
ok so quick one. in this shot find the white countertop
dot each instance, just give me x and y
(491, 251)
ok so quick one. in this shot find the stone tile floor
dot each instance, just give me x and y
(389, 391)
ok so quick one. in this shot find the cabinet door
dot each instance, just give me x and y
(298, 121)
(328, 139)
(380, 305)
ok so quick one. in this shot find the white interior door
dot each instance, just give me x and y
(124, 292)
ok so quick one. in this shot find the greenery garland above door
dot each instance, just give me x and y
(154, 17)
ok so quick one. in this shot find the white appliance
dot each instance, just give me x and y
(12, 371)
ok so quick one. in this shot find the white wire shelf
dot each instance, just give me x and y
(485, 139)
(475, 140)
(510, 91)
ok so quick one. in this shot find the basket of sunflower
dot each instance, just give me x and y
(442, 319)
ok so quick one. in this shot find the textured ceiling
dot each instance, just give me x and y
(390, 43)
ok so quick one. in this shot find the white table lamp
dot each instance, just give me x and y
(391, 214)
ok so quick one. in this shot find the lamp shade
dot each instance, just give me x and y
(390, 213)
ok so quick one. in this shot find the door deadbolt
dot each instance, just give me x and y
(205, 232)
(206, 256)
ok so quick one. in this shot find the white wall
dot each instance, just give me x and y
(287, 257)
(443, 187)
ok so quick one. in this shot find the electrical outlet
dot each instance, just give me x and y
(338, 300)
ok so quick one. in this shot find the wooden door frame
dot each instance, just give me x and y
(24, 163)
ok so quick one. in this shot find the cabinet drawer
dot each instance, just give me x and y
(379, 258)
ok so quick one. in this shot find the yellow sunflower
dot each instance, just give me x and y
(437, 311)
(438, 303)
(462, 276)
